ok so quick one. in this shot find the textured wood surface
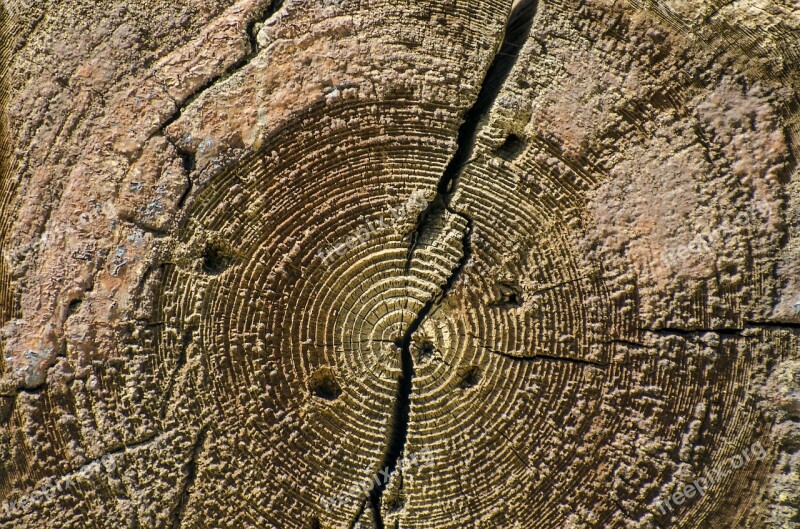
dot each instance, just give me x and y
(441, 264)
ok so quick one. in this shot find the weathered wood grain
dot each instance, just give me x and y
(339, 263)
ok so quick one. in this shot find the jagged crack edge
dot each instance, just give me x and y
(516, 33)
(188, 157)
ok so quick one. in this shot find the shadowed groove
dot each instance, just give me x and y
(516, 33)
(517, 30)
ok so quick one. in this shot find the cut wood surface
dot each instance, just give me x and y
(395, 263)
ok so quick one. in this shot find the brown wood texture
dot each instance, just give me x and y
(399, 263)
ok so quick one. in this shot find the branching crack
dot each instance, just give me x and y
(188, 157)
(516, 33)
(270, 10)
(517, 30)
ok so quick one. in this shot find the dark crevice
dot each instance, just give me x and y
(577, 361)
(37, 389)
(323, 384)
(141, 442)
(677, 331)
(628, 343)
(774, 324)
(188, 157)
(73, 306)
(186, 339)
(188, 161)
(398, 429)
(425, 350)
(396, 503)
(399, 425)
(270, 10)
(185, 194)
(725, 331)
(547, 357)
(359, 514)
(191, 475)
(517, 30)
(511, 147)
(215, 260)
(510, 296)
(470, 378)
(433, 210)
(466, 256)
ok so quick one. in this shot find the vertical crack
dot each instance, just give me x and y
(516, 33)
(188, 162)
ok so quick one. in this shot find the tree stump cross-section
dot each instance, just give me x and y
(399, 264)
